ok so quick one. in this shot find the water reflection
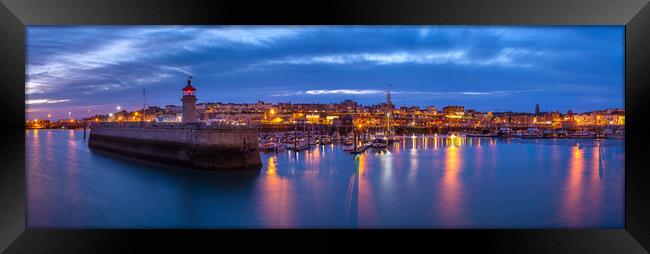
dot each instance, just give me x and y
(421, 181)
(595, 193)
(276, 198)
(450, 189)
(366, 215)
(584, 186)
(271, 166)
(573, 189)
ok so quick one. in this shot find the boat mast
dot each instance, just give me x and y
(354, 130)
(388, 112)
(144, 105)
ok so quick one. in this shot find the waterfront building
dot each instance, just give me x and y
(432, 110)
(453, 110)
(347, 106)
(172, 109)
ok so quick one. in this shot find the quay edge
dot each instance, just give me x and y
(192, 146)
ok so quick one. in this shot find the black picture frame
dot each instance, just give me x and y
(16, 14)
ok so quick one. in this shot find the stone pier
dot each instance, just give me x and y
(190, 145)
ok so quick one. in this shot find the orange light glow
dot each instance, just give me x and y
(451, 186)
(271, 167)
(573, 186)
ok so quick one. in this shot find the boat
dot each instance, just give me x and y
(482, 135)
(532, 133)
(582, 134)
(348, 148)
(336, 137)
(325, 141)
(270, 146)
(379, 143)
(362, 147)
(298, 145)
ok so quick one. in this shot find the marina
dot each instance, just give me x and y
(301, 140)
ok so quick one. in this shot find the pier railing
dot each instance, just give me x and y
(159, 125)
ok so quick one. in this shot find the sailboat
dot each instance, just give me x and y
(382, 139)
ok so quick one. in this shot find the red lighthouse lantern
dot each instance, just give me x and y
(189, 89)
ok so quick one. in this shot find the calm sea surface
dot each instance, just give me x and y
(432, 182)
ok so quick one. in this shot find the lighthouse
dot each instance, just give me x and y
(188, 143)
(189, 103)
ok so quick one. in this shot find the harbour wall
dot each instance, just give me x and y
(204, 148)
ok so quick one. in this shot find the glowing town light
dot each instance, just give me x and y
(119, 108)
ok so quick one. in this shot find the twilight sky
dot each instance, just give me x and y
(90, 70)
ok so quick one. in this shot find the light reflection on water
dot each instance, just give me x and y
(438, 182)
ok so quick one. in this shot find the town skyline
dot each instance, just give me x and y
(438, 108)
(93, 69)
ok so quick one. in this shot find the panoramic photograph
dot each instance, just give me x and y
(325, 127)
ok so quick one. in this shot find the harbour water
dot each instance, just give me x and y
(418, 182)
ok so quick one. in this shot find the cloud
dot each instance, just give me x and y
(51, 70)
(246, 36)
(398, 57)
(424, 32)
(508, 57)
(44, 101)
(469, 93)
(382, 92)
(342, 91)
(331, 92)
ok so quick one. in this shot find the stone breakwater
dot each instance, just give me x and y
(191, 146)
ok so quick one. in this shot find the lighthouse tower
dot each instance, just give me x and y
(189, 103)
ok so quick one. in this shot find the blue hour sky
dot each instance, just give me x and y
(90, 70)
